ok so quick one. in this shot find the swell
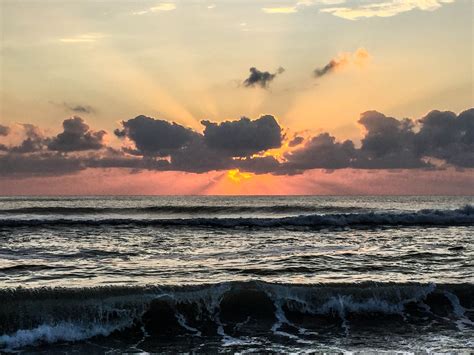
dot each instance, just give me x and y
(177, 209)
(457, 217)
(233, 309)
(26, 267)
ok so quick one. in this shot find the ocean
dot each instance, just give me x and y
(236, 274)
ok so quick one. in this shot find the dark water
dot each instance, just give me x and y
(236, 274)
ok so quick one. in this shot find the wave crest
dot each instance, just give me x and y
(179, 209)
(32, 316)
(458, 217)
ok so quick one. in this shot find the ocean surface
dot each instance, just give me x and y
(236, 274)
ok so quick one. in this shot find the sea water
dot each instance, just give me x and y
(236, 274)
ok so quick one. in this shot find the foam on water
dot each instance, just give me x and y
(231, 311)
(236, 273)
(64, 331)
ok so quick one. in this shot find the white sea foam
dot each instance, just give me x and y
(64, 331)
(103, 311)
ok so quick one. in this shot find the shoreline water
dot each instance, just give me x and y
(316, 314)
(292, 274)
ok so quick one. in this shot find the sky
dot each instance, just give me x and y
(236, 97)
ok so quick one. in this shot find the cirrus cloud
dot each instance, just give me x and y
(383, 8)
(163, 7)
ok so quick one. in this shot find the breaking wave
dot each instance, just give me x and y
(179, 209)
(229, 310)
(457, 217)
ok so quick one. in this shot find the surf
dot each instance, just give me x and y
(229, 310)
(428, 217)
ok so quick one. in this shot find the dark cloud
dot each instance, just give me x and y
(75, 108)
(4, 130)
(297, 140)
(393, 144)
(45, 164)
(76, 136)
(388, 143)
(437, 140)
(448, 137)
(261, 78)
(197, 156)
(243, 137)
(328, 68)
(322, 152)
(81, 109)
(127, 162)
(359, 58)
(258, 165)
(33, 142)
(155, 137)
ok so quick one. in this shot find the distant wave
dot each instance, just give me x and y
(458, 217)
(233, 309)
(179, 209)
(25, 267)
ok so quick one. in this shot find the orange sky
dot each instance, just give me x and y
(188, 61)
(315, 182)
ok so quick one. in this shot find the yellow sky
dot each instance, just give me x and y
(186, 61)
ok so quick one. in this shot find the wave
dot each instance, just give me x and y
(25, 267)
(458, 217)
(179, 209)
(233, 309)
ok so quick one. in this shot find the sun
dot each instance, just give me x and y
(237, 176)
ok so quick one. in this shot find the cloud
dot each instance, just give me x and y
(83, 38)
(297, 140)
(258, 165)
(76, 136)
(191, 151)
(332, 65)
(292, 8)
(360, 57)
(4, 130)
(383, 8)
(198, 157)
(82, 109)
(243, 137)
(280, 10)
(20, 165)
(74, 107)
(321, 151)
(388, 143)
(155, 137)
(439, 140)
(163, 7)
(261, 78)
(448, 137)
(33, 142)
